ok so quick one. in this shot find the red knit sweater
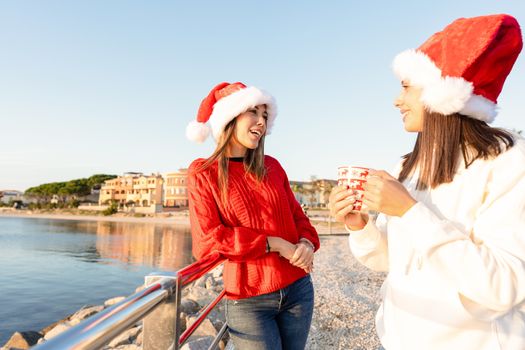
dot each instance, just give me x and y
(238, 229)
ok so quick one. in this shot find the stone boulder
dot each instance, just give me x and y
(202, 343)
(189, 306)
(202, 295)
(59, 328)
(84, 313)
(23, 340)
(206, 328)
(126, 337)
(113, 301)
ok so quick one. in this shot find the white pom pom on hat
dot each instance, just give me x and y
(197, 132)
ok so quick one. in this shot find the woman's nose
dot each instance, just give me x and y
(261, 121)
(397, 101)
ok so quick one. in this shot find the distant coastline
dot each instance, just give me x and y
(179, 218)
(173, 219)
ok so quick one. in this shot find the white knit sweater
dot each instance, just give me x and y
(456, 261)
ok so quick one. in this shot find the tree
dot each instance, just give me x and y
(97, 180)
(112, 209)
(69, 190)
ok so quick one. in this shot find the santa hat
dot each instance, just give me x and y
(462, 68)
(223, 104)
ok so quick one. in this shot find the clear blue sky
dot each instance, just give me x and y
(109, 86)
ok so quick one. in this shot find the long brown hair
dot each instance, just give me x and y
(253, 160)
(444, 139)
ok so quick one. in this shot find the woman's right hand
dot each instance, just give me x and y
(341, 204)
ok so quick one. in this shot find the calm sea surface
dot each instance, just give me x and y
(51, 268)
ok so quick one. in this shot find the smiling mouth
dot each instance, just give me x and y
(256, 133)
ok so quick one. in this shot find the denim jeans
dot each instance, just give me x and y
(273, 321)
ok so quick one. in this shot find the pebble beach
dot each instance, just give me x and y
(346, 299)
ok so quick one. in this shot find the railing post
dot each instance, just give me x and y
(162, 326)
(177, 294)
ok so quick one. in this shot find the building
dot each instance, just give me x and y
(10, 196)
(301, 191)
(313, 193)
(133, 189)
(323, 188)
(176, 189)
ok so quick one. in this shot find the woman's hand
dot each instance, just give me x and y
(383, 193)
(303, 256)
(281, 246)
(341, 204)
(300, 255)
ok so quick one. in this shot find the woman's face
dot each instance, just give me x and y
(250, 127)
(411, 107)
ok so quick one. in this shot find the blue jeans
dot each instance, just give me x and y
(273, 321)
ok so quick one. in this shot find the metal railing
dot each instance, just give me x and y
(158, 304)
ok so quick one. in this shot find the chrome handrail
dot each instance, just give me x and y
(101, 328)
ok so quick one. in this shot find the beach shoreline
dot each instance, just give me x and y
(170, 220)
(179, 218)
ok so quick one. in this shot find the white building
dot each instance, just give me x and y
(7, 196)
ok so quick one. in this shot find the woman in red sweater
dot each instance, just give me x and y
(241, 205)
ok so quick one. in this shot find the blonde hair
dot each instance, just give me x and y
(253, 160)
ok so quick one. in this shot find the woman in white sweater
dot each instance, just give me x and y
(451, 228)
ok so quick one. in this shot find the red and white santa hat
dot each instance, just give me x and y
(462, 68)
(223, 104)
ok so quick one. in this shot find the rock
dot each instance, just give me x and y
(218, 288)
(183, 317)
(206, 328)
(210, 282)
(129, 347)
(140, 338)
(217, 272)
(23, 340)
(202, 295)
(229, 345)
(46, 329)
(217, 316)
(84, 313)
(201, 281)
(189, 306)
(197, 343)
(126, 337)
(59, 328)
(113, 301)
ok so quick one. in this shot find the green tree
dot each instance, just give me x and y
(112, 209)
(68, 190)
(98, 179)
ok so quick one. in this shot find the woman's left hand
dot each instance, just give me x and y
(303, 256)
(385, 194)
